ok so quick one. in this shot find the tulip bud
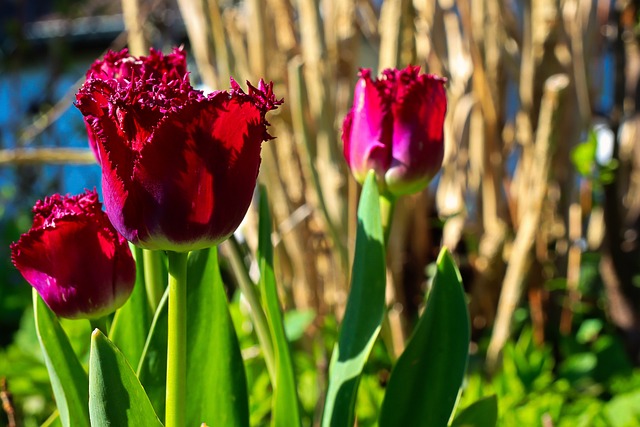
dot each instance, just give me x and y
(74, 258)
(396, 128)
(178, 167)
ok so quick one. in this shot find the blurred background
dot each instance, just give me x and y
(538, 196)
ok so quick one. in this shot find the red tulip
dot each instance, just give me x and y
(123, 68)
(178, 167)
(396, 128)
(74, 258)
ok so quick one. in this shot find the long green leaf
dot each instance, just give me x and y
(215, 370)
(152, 369)
(116, 397)
(131, 322)
(424, 384)
(68, 379)
(285, 411)
(481, 413)
(364, 312)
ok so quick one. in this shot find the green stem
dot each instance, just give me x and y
(250, 292)
(175, 412)
(101, 323)
(153, 282)
(387, 207)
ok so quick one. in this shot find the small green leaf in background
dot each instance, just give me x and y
(296, 323)
(216, 380)
(131, 322)
(285, 411)
(68, 379)
(583, 155)
(482, 413)
(116, 397)
(424, 383)
(364, 312)
(152, 369)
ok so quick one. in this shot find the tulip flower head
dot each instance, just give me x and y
(74, 258)
(178, 167)
(395, 127)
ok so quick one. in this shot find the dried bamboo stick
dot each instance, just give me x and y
(194, 13)
(34, 156)
(134, 24)
(520, 259)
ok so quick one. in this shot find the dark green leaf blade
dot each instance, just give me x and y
(216, 377)
(364, 312)
(481, 413)
(116, 397)
(424, 384)
(131, 322)
(68, 379)
(285, 398)
(152, 369)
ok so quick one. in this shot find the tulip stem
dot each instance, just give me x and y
(387, 207)
(152, 262)
(101, 323)
(175, 413)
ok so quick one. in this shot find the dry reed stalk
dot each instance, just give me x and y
(237, 44)
(31, 156)
(134, 24)
(573, 268)
(298, 99)
(520, 258)
(224, 60)
(390, 29)
(195, 14)
(256, 33)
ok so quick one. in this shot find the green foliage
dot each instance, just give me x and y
(68, 378)
(116, 397)
(131, 322)
(152, 369)
(583, 155)
(285, 411)
(482, 413)
(424, 383)
(363, 314)
(215, 372)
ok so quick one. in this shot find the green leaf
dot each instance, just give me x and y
(131, 322)
(68, 379)
(116, 397)
(481, 413)
(152, 369)
(285, 411)
(424, 384)
(583, 155)
(215, 370)
(364, 312)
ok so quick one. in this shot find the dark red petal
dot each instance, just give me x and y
(200, 171)
(70, 257)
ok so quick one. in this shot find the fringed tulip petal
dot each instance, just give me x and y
(74, 257)
(395, 127)
(178, 167)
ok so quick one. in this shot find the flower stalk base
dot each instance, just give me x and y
(175, 411)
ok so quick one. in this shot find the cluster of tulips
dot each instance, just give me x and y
(179, 170)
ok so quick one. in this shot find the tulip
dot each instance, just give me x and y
(396, 128)
(74, 258)
(178, 167)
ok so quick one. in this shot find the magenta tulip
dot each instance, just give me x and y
(396, 128)
(178, 167)
(74, 258)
